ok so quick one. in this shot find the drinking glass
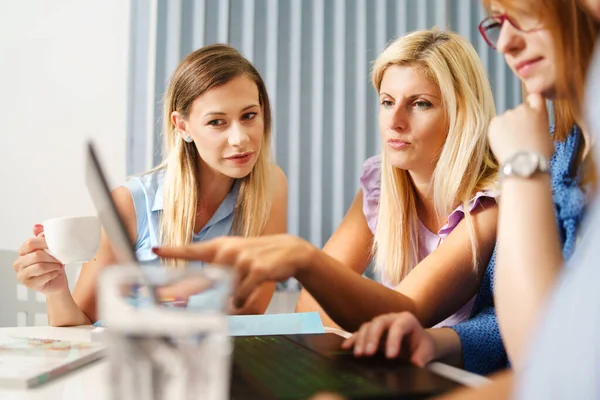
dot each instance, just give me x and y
(176, 348)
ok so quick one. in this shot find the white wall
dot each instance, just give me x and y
(63, 79)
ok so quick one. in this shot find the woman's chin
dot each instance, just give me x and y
(398, 161)
(548, 91)
(238, 173)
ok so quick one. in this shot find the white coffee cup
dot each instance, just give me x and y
(73, 239)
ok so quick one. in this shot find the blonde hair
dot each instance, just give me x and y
(465, 164)
(200, 71)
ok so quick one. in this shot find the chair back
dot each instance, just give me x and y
(20, 306)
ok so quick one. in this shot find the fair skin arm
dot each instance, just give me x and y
(529, 259)
(448, 347)
(529, 255)
(79, 308)
(429, 291)
(277, 223)
(350, 245)
(405, 337)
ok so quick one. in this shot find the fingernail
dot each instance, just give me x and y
(370, 348)
(38, 226)
(358, 351)
(390, 352)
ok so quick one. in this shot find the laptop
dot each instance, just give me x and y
(299, 366)
(288, 366)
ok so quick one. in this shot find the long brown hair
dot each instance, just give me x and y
(200, 71)
(574, 34)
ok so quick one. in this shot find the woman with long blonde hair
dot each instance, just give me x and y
(217, 179)
(547, 181)
(409, 215)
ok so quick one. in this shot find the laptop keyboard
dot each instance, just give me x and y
(290, 371)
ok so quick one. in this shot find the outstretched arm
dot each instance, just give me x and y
(351, 245)
(277, 224)
(529, 253)
(429, 291)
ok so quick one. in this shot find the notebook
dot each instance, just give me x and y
(28, 362)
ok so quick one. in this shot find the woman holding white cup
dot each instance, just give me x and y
(217, 179)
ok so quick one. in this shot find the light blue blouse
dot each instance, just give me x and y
(148, 197)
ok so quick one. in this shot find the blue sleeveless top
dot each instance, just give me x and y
(148, 197)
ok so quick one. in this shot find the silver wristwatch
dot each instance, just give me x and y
(524, 164)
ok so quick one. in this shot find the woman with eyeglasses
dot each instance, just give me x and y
(562, 359)
(545, 180)
(551, 53)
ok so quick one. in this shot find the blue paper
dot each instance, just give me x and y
(275, 324)
(271, 324)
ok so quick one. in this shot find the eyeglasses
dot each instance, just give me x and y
(491, 27)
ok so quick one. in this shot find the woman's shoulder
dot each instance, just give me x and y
(483, 198)
(277, 175)
(372, 163)
(370, 183)
(370, 180)
(279, 182)
(147, 189)
(150, 180)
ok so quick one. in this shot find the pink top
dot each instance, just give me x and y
(370, 182)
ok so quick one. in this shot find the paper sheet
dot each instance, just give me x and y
(269, 324)
(275, 324)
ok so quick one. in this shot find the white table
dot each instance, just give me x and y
(89, 382)
(69, 386)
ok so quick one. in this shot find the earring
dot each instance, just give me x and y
(187, 138)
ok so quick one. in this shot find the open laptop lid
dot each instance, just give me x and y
(97, 184)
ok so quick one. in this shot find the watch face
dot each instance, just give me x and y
(524, 164)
